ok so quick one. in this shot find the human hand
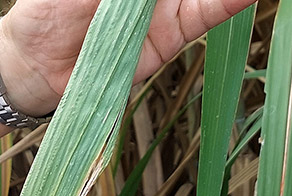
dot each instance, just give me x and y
(41, 41)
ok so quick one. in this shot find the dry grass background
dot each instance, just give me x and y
(173, 167)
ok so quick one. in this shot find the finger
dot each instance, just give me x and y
(149, 62)
(178, 22)
(164, 38)
(198, 16)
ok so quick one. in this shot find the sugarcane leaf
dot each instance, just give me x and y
(257, 114)
(250, 134)
(274, 172)
(254, 121)
(80, 138)
(226, 55)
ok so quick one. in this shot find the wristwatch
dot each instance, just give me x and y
(13, 118)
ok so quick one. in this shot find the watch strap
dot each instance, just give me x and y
(13, 118)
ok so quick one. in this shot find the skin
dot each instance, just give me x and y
(40, 41)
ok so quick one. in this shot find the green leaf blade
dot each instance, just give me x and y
(275, 118)
(227, 49)
(89, 113)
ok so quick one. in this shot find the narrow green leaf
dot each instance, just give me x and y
(243, 139)
(133, 181)
(257, 114)
(276, 119)
(79, 141)
(255, 74)
(227, 50)
(250, 134)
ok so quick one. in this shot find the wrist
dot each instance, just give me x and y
(27, 90)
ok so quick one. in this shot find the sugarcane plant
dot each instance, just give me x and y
(80, 139)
